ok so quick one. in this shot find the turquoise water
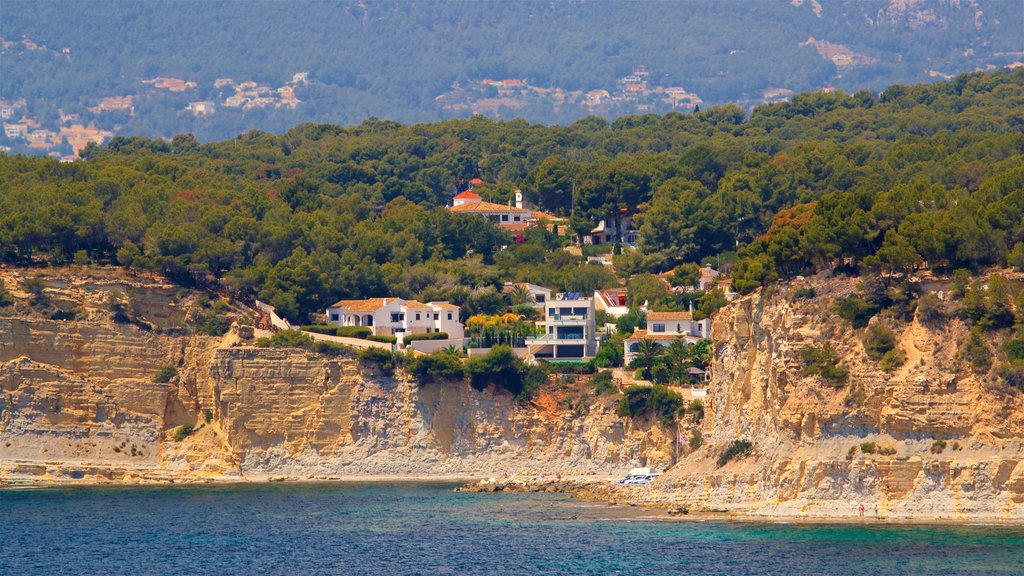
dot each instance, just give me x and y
(428, 529)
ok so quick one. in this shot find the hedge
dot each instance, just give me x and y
(384, 339)
(428, 336)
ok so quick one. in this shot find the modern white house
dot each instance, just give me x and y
(664, 328)
(398, 317)
(569, 330)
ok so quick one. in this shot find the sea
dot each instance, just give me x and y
(427, 528)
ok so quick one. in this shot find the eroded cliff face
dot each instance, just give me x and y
(806, 432)
(78, 403)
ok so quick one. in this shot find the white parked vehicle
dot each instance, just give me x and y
(638, 477)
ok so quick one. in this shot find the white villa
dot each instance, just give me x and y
(569, 329)
(398, 317)
(514, 216)
(664, 328)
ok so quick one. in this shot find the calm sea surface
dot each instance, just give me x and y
(428, 529)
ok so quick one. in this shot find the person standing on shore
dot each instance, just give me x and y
(862, 510)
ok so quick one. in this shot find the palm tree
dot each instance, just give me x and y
(647, 353)
(519, 295)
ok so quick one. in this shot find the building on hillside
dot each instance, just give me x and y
(615, 230)
(398, 317)
(539, 295)
(664, 328)
(201, 108)
(612, 301)
(466, 197)
(569, 330)
(470, 203)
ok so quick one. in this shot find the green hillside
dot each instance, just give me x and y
(932, 172)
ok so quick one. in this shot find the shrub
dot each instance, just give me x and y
(976, 352)
(1012, 373)
(737, 448)
(208, 415)
(361, 332)
(324, 329)
(868, 447)
(697, 409)
(36, 287)
(656, 400)
(384, 359)
(436, 367)
(878, 340)
(696, 441)
(1013, 349)
(823, 361)
(334, 349)
(806, 293)
(165, 374)
(893, 359)
(428, 336)
(213, 322)
(886, 450)
(183, 431)
(851, 452)
(856, 310)
(384, 339)
(62, 315)
(500, 366)
(602, 383)
(287, 339)
(938, 446)
(6, 298)
(610, 354)
(929, 309)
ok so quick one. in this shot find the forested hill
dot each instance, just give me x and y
(394, 59)
(927, 172)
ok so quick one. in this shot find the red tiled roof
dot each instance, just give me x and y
(476, 181)
(467, 195)
(482, 206)
(368, 305)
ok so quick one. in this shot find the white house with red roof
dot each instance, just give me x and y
(398, 317)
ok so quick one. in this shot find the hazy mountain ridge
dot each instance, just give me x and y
(393, 60)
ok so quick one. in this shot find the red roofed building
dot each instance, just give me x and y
(464, 197)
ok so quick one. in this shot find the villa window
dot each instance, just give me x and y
(397, 317)
(449, 315)
(417, 315)
(516, 218)
(658, 328)
(504, 217)
(334, 317)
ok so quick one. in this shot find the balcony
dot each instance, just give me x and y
(555, 319)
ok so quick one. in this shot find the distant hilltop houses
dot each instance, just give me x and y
(72, 132)
(631, 93)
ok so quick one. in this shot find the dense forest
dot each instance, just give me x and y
(924, 173)
(392, 59)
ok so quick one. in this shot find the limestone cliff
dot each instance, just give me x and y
(78, 403)
(806, 432)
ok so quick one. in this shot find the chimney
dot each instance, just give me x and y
(519, 199)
